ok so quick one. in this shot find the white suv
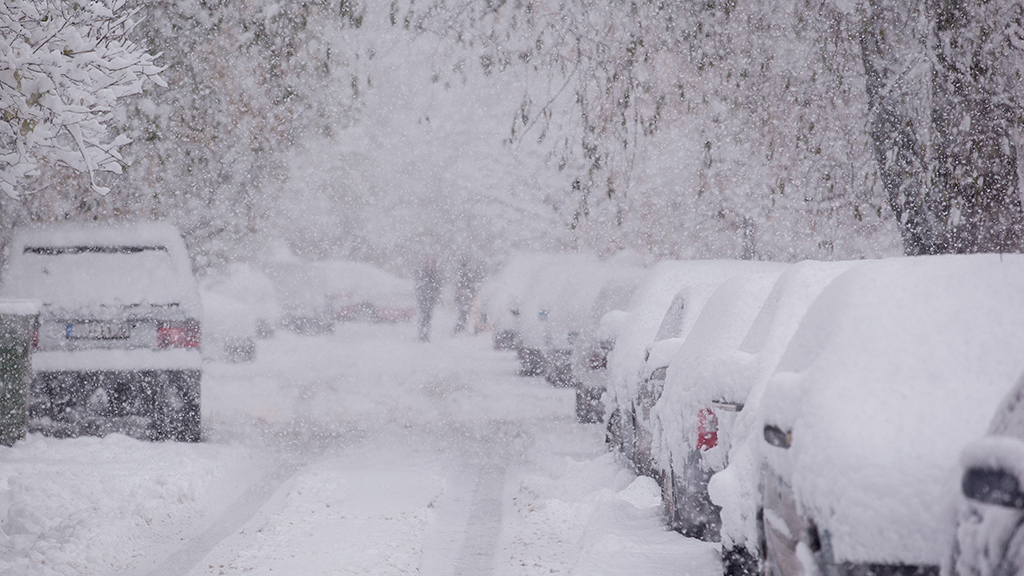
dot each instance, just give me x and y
(119, 333)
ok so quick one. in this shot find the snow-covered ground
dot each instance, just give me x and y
(360, 452)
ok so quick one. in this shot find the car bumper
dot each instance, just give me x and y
(116, 360)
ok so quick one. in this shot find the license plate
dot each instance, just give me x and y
(98, 331)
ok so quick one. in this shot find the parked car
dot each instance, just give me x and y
(989, 533)
(589, 361)
(729, 389)
(229, 328)
(896, 367)
(582, 290)
(684, 423)
(502, 296)
(661, 316)
(557, 296)
(736, 342)
(361, 292)
(251, 288)
(119, 333)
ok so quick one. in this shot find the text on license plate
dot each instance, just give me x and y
(98, 331)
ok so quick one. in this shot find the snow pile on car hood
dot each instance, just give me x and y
(895, 368)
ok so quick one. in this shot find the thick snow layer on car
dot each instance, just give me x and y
(570, 296)
(695, 375)
(648, 308)
(502, 294)
(894, 369)
(75, 265)
(23, 307)
(248, 285)
(355, 282)
(745, 371)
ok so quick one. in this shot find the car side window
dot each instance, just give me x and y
(673, 321)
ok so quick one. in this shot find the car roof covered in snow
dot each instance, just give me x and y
(697, 279)
(694, 377)
(894, 369)
(85, 264)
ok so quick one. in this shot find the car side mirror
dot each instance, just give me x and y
(778, 437)
(993, 486)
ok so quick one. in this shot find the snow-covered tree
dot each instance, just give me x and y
(63, 66)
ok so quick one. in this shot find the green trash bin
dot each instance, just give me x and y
(19, 320)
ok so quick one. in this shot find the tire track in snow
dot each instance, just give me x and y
(465, 537)
(483, 527)
(190, 553)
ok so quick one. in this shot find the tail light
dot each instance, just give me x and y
(178, 334)
(35, 338)
(707, 429)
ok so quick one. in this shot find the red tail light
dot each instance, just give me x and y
(707, 429)
(184, 334)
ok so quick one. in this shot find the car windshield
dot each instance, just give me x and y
(95, 274)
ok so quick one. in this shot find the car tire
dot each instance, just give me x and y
(589, 409)
(740, 561)
(613, 431)
(178, 413)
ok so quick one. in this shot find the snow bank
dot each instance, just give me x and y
(100, 505)
(588, 516)
(896, 367)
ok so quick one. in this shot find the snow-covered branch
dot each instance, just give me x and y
(63, 66)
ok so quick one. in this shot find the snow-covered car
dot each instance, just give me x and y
(736, 342)
(502, 296)
(589, 362)
(361, 292)
(682, 423)
(661, 315)
(119, 333)
(229, 328)
(570, 299)
(895, 368)
(989, 535)
(250, 287)
(729, 389)
(302, 296)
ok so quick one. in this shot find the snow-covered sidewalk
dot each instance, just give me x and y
(361, 452)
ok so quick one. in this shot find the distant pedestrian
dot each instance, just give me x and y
(467, 285)
(428, 292)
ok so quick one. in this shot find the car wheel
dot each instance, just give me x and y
(740, 561)
(178, 414)
(588, 406)
(613, 431)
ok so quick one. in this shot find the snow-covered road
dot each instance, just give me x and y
(360, 452)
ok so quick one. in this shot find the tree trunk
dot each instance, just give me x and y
(940, 124)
